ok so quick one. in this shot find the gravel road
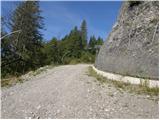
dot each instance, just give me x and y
(68, 92)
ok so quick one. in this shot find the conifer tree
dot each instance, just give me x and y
(27, 19)
(84, 34)
(92, 43)
(99, 41)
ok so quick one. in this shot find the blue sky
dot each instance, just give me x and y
(61, 17)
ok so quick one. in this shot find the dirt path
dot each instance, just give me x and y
(68, 92)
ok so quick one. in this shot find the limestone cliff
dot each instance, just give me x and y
(132, 46)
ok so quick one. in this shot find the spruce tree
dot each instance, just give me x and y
(84, 34)
(99, 41)
(92, 43)
(27, 19)
(74, 42)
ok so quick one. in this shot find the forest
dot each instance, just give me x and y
(23, 47)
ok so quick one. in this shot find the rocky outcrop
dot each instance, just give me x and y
(132, 46)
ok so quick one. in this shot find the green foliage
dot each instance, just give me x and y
(87, 57)
(23, 51)
(99, 41)
(70, 49)
(93, 43)
(75, 61)
(10, 81)
(84, 34)
(52, 52)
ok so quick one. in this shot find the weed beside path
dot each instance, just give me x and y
(138, 89)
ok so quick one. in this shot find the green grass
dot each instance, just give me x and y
(12, 80)
(43, 69)
(37, 72)
(138, 89)
(92, 73)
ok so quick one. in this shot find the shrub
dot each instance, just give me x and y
(75, 61)
(87, 57)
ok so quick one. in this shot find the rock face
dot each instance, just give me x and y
(132, 46)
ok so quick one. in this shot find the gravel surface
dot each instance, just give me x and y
(68, 92)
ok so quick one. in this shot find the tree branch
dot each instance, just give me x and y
(10, 34)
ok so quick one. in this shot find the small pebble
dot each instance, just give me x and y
(106, 110)
(148, 96)
(38, 107)
(58, 111)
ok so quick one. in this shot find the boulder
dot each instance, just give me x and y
(132, 46)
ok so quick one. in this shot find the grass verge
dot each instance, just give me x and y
(12, 80)
(139, 89)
